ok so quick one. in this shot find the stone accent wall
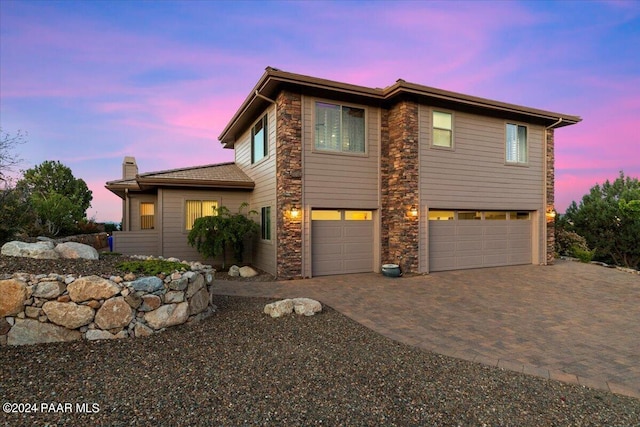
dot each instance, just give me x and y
(289, 184)
(51, 308)
(550, 190)
(400, 190)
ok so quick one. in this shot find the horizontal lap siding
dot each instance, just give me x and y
(474, 175)
(337, 180)
(175, 236)
(263, 175)
(143, 242)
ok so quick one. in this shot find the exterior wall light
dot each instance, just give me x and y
(551, 213)
(413, 211)
(295, 213)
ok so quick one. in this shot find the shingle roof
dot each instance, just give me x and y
(222, 175)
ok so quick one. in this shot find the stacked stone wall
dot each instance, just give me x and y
(400, 185)
(49, 308)
(289, 184)
(550, 190)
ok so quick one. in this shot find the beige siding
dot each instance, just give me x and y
(474, 174)
(263, 173)
(136, 242)
(338, 180)
(134, 203)
(174, 243)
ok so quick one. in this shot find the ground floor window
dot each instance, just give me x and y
(195, 209)
(147, 214)
(265, 225)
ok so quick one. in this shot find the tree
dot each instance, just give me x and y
(59, 200)
(8, 159)
(609, 219)
(211, 235)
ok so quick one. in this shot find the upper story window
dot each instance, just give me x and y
(516, 147)
(147, 214)
(195, 209)
(339, 128)
(442, 129)
(259, 143)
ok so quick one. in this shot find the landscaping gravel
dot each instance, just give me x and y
(241, 367)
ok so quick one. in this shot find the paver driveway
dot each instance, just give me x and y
(572, 322)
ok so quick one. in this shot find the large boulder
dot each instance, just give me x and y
(38, 250)
(48, 290)
(75, 250)
(115, 313)
(196, 282)
(13, 292)
(33, 332)
(98, 334)
(306, 306)
(68, 314)
(247, 271)
(234, 271)
(279, 308)
(199, 301)
(167, 315)
(148, 284)
(92, 287)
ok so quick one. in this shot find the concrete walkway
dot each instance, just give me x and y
(571, 322)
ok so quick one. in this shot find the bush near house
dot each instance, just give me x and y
(213, 235)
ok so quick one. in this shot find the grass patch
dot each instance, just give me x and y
(152, 267)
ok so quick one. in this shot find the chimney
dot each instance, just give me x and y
(129, 168)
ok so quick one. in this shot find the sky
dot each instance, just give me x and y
(94, 81)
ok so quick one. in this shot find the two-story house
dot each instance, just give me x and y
(346, 178)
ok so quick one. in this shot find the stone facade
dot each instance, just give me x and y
(93, 308)
(400, 185)
(289, 184)
(550, 190)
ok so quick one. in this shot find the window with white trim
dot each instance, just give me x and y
(265, 225)
(259, 143)
(442, 129)
(516, 146)
(339, 128)
(195, 209)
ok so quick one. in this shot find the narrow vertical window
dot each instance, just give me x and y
(442, 129)
(147, 213)
(265, 225)
(259, 143)
(516, 147)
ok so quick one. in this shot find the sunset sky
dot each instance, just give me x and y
(94, 81)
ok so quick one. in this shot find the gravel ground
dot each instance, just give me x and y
(241, 367)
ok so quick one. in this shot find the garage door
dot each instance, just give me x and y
(473, 239)
(341, 242)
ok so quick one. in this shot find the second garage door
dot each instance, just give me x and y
(473, 239)
(341, 241)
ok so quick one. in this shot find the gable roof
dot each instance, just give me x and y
(221, 176)
(274, 80)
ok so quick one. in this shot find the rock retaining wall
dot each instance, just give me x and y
(50, 308)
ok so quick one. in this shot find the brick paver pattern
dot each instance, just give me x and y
(571, 322)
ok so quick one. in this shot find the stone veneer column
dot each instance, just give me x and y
(550, 191)
(399, 185)
(288, 184)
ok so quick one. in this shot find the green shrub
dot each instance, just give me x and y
(581, 254)
(152, 267)
(568, 241)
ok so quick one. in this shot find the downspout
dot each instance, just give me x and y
(259, 95)
(127, 206)
(554, 124)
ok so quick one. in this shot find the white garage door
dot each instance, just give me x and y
(473, 239)
(341, 242)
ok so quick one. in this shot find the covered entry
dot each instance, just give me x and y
(473, 239)
(341, 241)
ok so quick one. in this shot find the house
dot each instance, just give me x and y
(346, 178)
